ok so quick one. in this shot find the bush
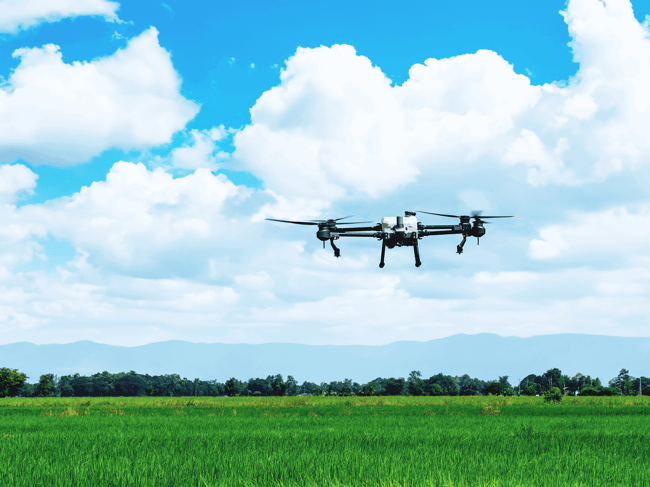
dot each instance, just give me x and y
(609, 391)
(588, 390)
(529, 391)
(554, 395)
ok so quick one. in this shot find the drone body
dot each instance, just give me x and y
(398, 231)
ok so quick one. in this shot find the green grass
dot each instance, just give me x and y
(393, 441)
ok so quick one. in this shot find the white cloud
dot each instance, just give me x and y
(204, 151)
(484, 277)
(137, 219)
(545, 165)
(599, 236)
(18, 15)
(336, 128)
(14, 180)
(129, 99)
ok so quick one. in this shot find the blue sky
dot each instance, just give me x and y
(143, 144)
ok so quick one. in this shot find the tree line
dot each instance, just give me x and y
(14, 383)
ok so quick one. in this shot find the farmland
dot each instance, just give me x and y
(325, 441)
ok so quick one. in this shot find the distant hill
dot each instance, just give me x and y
(484, 356)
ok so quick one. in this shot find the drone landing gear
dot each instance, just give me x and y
(337, 252)
(459, 248)
(416, 251)
(383, 253)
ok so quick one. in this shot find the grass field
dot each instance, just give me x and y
(329, 441)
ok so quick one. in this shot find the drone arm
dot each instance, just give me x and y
(343, 230)
(428, 233)
(440, 227)
(358, 234)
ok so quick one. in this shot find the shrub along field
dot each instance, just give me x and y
(325, 441)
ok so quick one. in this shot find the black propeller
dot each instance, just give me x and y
(320, 222)
(475, 214)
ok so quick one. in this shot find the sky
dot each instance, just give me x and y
(143, 144)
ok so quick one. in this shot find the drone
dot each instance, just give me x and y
(398, 231)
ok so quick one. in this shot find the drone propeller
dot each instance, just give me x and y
(331, 219)
(319, 222)
(289, 221)
(475, 214)
(439, 214)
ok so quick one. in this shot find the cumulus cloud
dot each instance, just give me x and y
(598, 236)
(15, 180)
(130, 100)
(137, 219)
(336, 127)
(603, 110)
(18, 15)
(204, 151)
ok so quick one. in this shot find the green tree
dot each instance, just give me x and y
(468, 386)
(609, 391)
(496, 389)
(529, 391)
(448, 384)
(292, 386)
(308, 388)
(130, 385)
(415, 383)
(103, 384)
(553, 378)
(575, 383)
(588, 390)
(622, 381)
(436, 390)
(368, 390)
(394, 387)
(11, 382)
(279, 385)
(46, 385)
(231, 388)
(83, 386)
(261, 386)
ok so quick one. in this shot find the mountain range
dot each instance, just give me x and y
(484, 356)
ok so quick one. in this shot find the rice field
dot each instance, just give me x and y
(325, 441)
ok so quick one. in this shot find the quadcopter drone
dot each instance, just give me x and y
(398, 231)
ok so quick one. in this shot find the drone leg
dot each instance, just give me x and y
(337, 252)
(416, 251)
(459, 248)
(383, 253)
